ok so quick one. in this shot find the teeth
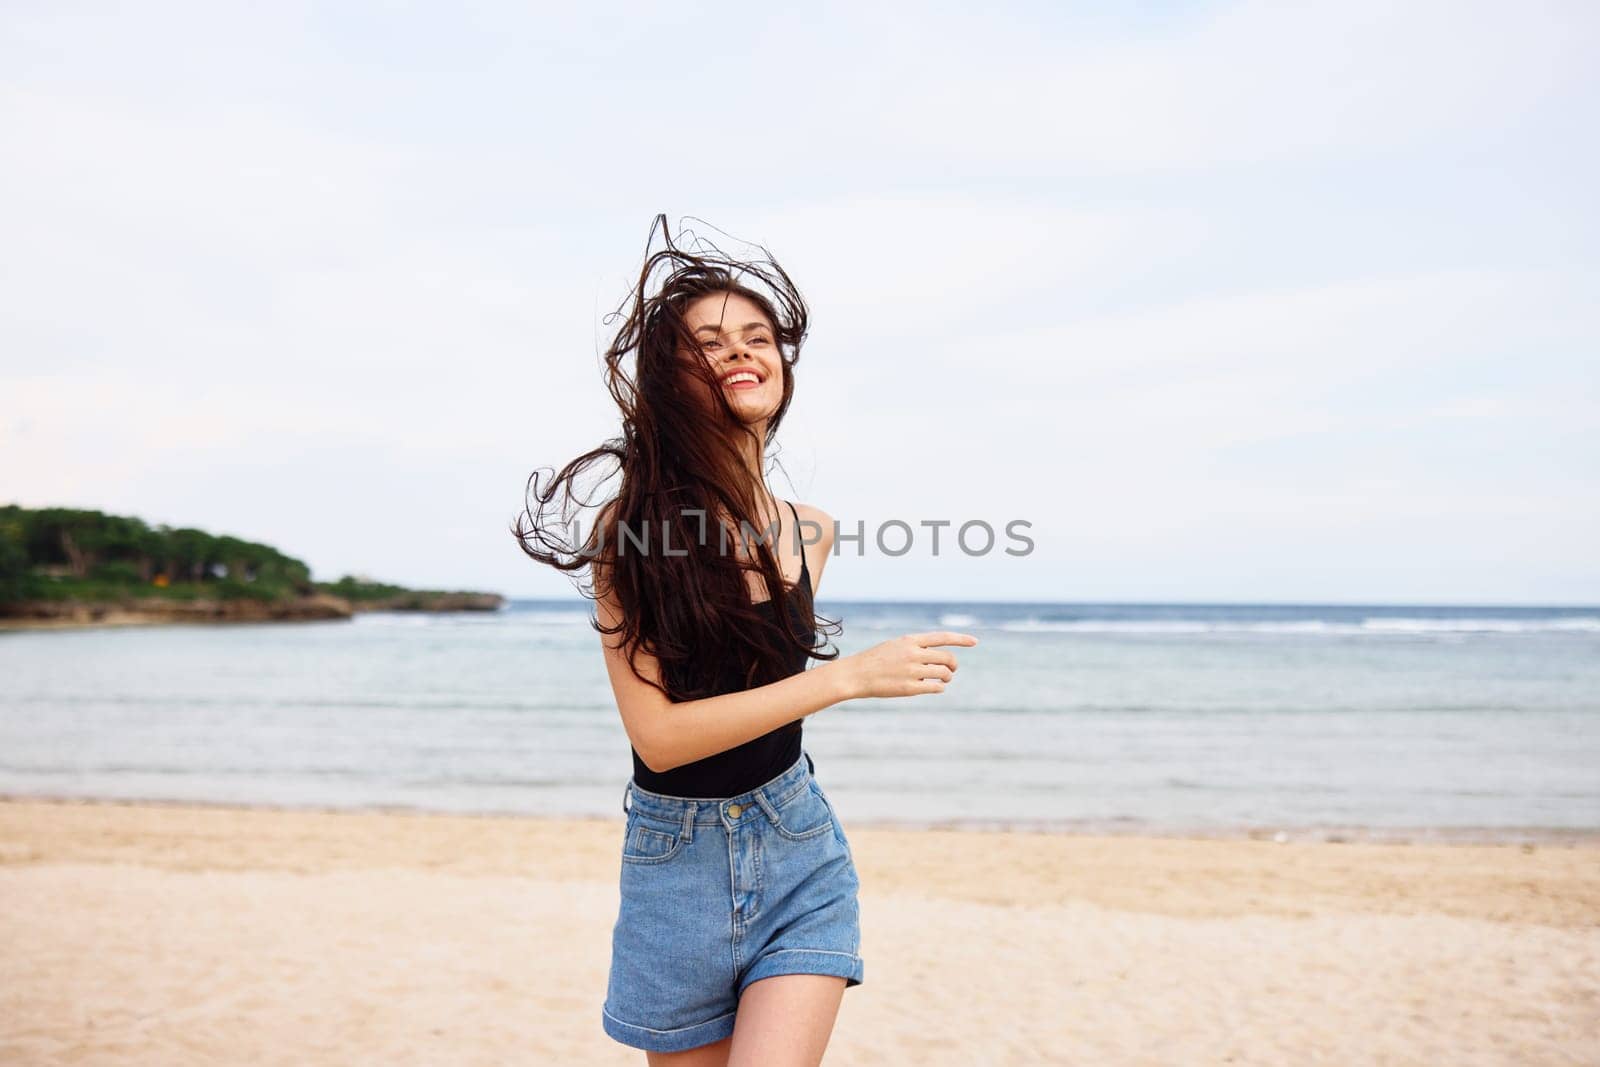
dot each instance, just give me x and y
(740, 377)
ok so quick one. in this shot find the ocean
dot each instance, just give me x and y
(1291, 721)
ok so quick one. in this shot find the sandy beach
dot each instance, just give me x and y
(173, 934)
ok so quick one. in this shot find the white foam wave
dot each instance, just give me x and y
(1575, 624)
(1396, 625)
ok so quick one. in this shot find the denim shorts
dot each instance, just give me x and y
(718, 892)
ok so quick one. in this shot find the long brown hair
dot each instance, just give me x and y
(684, 598)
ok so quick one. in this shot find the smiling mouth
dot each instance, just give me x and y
(741, 382)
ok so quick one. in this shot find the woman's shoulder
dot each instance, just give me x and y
(811, 514)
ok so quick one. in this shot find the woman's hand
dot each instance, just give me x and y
(905, 666)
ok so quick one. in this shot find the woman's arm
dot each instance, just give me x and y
(668, 734)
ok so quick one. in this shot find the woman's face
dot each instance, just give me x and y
(737, 342)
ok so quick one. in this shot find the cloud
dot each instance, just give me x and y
(1251, 280)
(1254, 83)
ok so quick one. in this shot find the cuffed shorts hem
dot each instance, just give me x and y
(844, 965)
(674, 1040)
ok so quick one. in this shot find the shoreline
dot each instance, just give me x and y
(129, 619)
(1475, 836)
(70, 614)
(119, 619)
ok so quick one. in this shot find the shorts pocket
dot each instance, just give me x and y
(833, 816)
(806, 815)
(651, 840)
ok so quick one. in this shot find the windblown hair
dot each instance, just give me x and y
(664, 544)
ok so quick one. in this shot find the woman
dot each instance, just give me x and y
(738, 930)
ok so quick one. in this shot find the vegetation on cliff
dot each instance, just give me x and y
(55, 555)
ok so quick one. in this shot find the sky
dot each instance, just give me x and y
(1239, 302)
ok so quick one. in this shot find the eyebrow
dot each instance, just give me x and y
(746, 328)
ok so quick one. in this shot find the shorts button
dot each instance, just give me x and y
(734, 810)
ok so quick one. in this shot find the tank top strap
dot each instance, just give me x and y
(805, 571)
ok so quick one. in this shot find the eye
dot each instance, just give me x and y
(758, 341)
(709, 344)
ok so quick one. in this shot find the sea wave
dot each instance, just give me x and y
(1371, 625)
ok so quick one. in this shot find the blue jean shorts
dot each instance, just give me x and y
(718, 892)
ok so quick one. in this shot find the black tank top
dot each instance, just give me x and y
(743, 767)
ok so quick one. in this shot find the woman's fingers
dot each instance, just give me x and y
(908, 664)
(931, 655)
(944, 637)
